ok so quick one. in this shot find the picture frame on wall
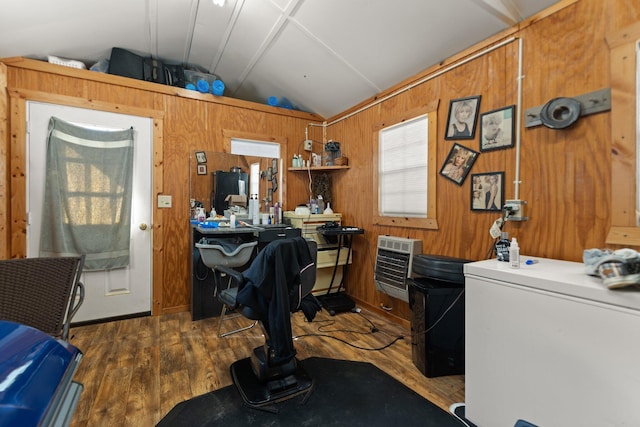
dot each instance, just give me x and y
(487, 191)
(458, 163)
(201, 157)
(462, 118)
(202, 169)
(497, 129)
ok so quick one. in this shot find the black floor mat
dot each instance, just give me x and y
(346, 393)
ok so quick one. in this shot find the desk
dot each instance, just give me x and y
(203, 303)
(339, 301)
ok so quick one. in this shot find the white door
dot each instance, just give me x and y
(117, 292)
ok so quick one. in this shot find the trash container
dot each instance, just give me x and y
(436, 299)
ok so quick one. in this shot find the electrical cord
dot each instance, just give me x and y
(373, 330)
(507, 211)
(398, 338)
(197, 269)
(415, 334)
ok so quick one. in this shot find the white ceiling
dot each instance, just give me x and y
(325, 56)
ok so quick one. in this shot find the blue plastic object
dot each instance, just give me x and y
(190, 86)
(202, 86)
(282, 102)
(35, 376)
(209, 224)
(217, 88)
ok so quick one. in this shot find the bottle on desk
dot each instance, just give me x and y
(201, 215)
(514, 254)
(502, 247)
(320, 204)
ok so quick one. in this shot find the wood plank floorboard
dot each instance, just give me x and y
(134, 371)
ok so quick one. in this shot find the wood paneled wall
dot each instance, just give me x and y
(564, 174)
(186, 121)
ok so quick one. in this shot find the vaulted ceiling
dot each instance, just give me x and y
(325, 56)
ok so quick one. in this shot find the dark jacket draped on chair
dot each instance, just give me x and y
(272, 289)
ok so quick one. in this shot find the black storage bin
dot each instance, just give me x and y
(437, 315)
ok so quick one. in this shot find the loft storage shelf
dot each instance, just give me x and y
(319, 168)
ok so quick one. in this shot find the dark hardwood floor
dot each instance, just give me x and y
(135, 371)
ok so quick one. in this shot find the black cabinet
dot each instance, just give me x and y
(436, 300)
(437, 328)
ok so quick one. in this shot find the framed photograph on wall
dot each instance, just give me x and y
(201, 157)
(497, 129)
(202, 169)
(463, 114)
(487, 191)
(458, 163)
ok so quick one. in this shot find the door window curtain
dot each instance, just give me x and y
(87, 201)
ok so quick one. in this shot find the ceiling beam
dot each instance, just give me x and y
(226, 36)
(504, 10)
(193, 15)
(275, 30)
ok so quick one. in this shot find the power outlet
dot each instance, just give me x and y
(517, 210)
(164, 201)
(307, 145)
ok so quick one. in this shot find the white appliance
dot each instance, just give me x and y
(394, 259)
(548, 344)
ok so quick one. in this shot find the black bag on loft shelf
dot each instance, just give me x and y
(153, 71)
(174, 75)
(128, 64)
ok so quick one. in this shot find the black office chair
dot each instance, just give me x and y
(277, 283)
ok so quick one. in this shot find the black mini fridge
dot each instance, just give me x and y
(436, 300)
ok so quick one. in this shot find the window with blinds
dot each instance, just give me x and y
(403, 168)
(405, 171)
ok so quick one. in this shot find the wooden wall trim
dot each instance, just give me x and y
(18, 182)
(624, 218)
(228, 134)
(71, 101)
(431, 222)
(19, 98)
(157, 236)
(4, 171)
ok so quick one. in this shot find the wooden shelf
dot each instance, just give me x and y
(318, 168)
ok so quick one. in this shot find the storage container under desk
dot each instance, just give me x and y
(549, 344)
(327, 247)
(309, 224)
